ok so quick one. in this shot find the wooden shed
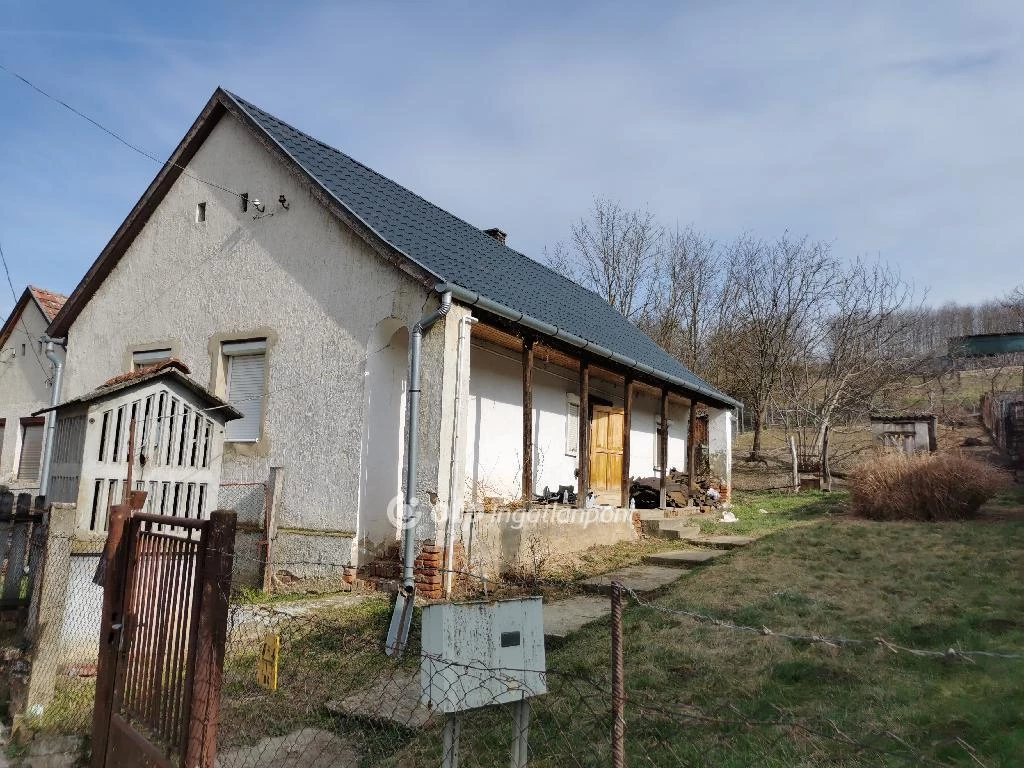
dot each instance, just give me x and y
(178, 429)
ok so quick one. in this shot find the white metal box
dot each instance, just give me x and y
(482, 653)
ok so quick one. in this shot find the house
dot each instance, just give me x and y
(301, 286)
(25, 376)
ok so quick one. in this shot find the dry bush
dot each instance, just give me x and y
(893, 486)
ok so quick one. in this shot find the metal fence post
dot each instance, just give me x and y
(618, 683)
(211, 636)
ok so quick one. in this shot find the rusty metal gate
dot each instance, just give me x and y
(164, 624)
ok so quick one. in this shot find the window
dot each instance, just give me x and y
(147, 357)
(3, 426)
(31, 448)
(200, 213)
(572, 424)
(246, 372)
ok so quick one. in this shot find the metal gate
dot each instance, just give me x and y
(163, 630)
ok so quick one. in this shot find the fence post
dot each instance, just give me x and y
(111, 626)
(49, 602)
(211, 636)
(796, 463)
(275, 497)
(618, 683)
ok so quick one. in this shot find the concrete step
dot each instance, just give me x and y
(563, 617)
(639, 578)
(719, 542)
(671, 529)
(683, 558)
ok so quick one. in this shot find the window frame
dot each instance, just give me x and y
(230, 350)
(25, 423)
(572, 436)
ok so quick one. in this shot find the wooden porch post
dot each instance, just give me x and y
(691, 446)
(528, 421)
(663, 449)
(627, 418)
(584, 447)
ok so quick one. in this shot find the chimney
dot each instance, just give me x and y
(497, 234)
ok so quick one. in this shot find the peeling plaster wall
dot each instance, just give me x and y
(23, 390)
(495, 425)
(298, 277)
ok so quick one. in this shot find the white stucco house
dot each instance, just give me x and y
(290, 279)
(25, 379)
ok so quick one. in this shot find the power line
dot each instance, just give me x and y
(14, 295)
(115, 135)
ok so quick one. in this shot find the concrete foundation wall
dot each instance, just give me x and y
(503, 541)
(300, 279)
(495, 423)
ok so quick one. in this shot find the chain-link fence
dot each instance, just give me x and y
(306, 682)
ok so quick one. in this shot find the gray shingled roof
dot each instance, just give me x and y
(457, 252)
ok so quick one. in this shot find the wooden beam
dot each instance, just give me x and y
(528, 421)
(663, 449)
(583, 453)
(691, 446)
(627, 418)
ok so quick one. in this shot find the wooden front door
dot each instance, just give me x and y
(606, 448)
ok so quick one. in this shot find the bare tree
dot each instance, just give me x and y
(685, 309)
(855, 360)
(775, 292)
(616, 253)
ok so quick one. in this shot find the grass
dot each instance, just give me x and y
(700, 694)
(932, 586)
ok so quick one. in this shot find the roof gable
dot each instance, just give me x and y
(48, 302)
(419, 236)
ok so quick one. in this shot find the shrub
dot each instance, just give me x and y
(893, 486)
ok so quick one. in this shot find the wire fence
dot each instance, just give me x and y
(306, 683)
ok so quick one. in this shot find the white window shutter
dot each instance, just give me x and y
(572, 424)
(31, 452)
(246, 375)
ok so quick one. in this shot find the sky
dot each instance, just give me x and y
(890, 130)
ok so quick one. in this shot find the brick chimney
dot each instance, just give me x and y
(497, 234)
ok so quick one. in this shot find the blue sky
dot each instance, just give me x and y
(889, 129)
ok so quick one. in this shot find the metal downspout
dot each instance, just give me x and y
(412, 440)
(51, 417)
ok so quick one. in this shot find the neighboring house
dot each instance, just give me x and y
(289, 278)
(25, 375)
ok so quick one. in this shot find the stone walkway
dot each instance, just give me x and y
(306, 748)
(563, 617)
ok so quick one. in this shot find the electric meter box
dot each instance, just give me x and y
(482, 653)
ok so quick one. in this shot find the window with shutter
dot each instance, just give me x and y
(246, 364)
(146, 358)
(572, 424)
(31, 449)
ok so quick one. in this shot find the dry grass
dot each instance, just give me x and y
(893, 486)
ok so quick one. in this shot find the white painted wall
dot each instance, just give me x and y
(313, 288)
(494, 428)
(23, 389)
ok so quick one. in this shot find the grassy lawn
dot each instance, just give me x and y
(931, 586)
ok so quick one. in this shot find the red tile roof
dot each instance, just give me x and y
(49, 301)
(146, 372)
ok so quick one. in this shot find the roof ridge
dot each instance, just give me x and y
(390, 180)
